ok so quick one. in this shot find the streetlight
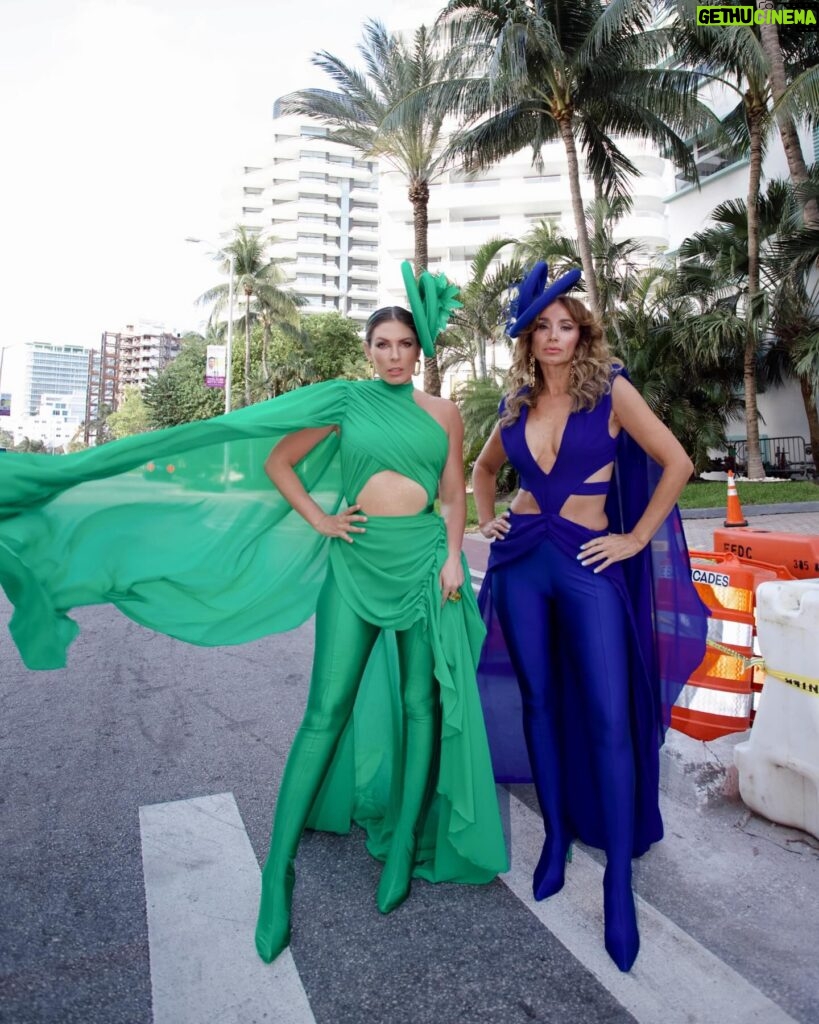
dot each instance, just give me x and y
(231, 258)
(2, 355)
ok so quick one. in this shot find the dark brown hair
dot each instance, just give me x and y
(385, 314)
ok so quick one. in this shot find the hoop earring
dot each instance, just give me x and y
(417, 369)
(531, 370)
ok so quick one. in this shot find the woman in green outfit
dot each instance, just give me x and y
(181, 530)
(393, 564)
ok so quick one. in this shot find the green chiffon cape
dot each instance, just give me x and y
(182, 530)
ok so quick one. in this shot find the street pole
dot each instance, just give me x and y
(229, 354)
(231, 258)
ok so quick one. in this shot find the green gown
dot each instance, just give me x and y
(183, 532)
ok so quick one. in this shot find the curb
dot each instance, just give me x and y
(791, 508)
(700, 774)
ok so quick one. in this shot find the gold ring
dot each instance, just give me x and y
(454, 597)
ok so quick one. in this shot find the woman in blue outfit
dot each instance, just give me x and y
(569, 594)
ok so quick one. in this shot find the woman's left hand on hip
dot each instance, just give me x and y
(605, 551)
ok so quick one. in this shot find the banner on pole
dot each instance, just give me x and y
(215, 366)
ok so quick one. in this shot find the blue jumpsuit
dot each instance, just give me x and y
(582, 647)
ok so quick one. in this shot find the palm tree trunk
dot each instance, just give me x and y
(579, 215)
(754, 114)
(419, 197)
(809, 398)
(265, 346)
(769, 35)
(481, 353)
(247, 349)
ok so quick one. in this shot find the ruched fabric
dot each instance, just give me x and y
(391, 580)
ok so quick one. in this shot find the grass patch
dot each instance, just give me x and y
(714, 493)
(702, 494)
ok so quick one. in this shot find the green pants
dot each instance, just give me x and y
(344, 642)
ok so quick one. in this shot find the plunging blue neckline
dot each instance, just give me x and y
(537, 465)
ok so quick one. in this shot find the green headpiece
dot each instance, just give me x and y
(432, 301)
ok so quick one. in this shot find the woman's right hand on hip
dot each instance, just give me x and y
(342, 524)
(497, 528)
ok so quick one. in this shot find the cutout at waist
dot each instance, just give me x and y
(587, 511)
(388, 493)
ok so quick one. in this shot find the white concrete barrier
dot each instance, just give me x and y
(779, 765)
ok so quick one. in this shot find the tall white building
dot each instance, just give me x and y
(508, 201)
(318, 200)
(52, 370)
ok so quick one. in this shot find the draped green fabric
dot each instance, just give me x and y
(183, 532)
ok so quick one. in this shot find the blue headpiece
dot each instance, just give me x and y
(533, 296)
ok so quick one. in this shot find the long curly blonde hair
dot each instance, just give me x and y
(591, 366)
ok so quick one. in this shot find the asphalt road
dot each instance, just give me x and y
(138, 720)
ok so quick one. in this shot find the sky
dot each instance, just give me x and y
(122, 123)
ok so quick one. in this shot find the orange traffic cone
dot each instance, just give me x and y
(734, 510)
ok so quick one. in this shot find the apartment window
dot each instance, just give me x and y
(363, 307)
(306, 236)
(314, 196)
(481, 220)
(248, 191)
(365, 206)
(310, 154)
(308, 130)
(309, 279)
(312, 176)
(364, 265)
(346, 161)
(252, 209)
(310, 218)
(366, 246)
(309, 257)
(708, 159)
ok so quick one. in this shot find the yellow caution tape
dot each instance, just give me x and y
(805, 684)
(746, 662)
(802, 683)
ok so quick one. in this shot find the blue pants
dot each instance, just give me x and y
(567, 634)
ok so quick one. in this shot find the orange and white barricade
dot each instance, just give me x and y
(718, 699)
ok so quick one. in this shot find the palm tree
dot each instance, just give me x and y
(582, 73)
(260, 280)
(715, 265)
(367, 111)
(478, 323)
(693, 391)
(799, 54)
(735, 58)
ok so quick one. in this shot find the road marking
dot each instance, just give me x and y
(674, 979)
(202, 888)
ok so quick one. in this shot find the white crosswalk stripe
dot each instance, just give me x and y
(202, 891)
(674, 980)
(202, 883)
